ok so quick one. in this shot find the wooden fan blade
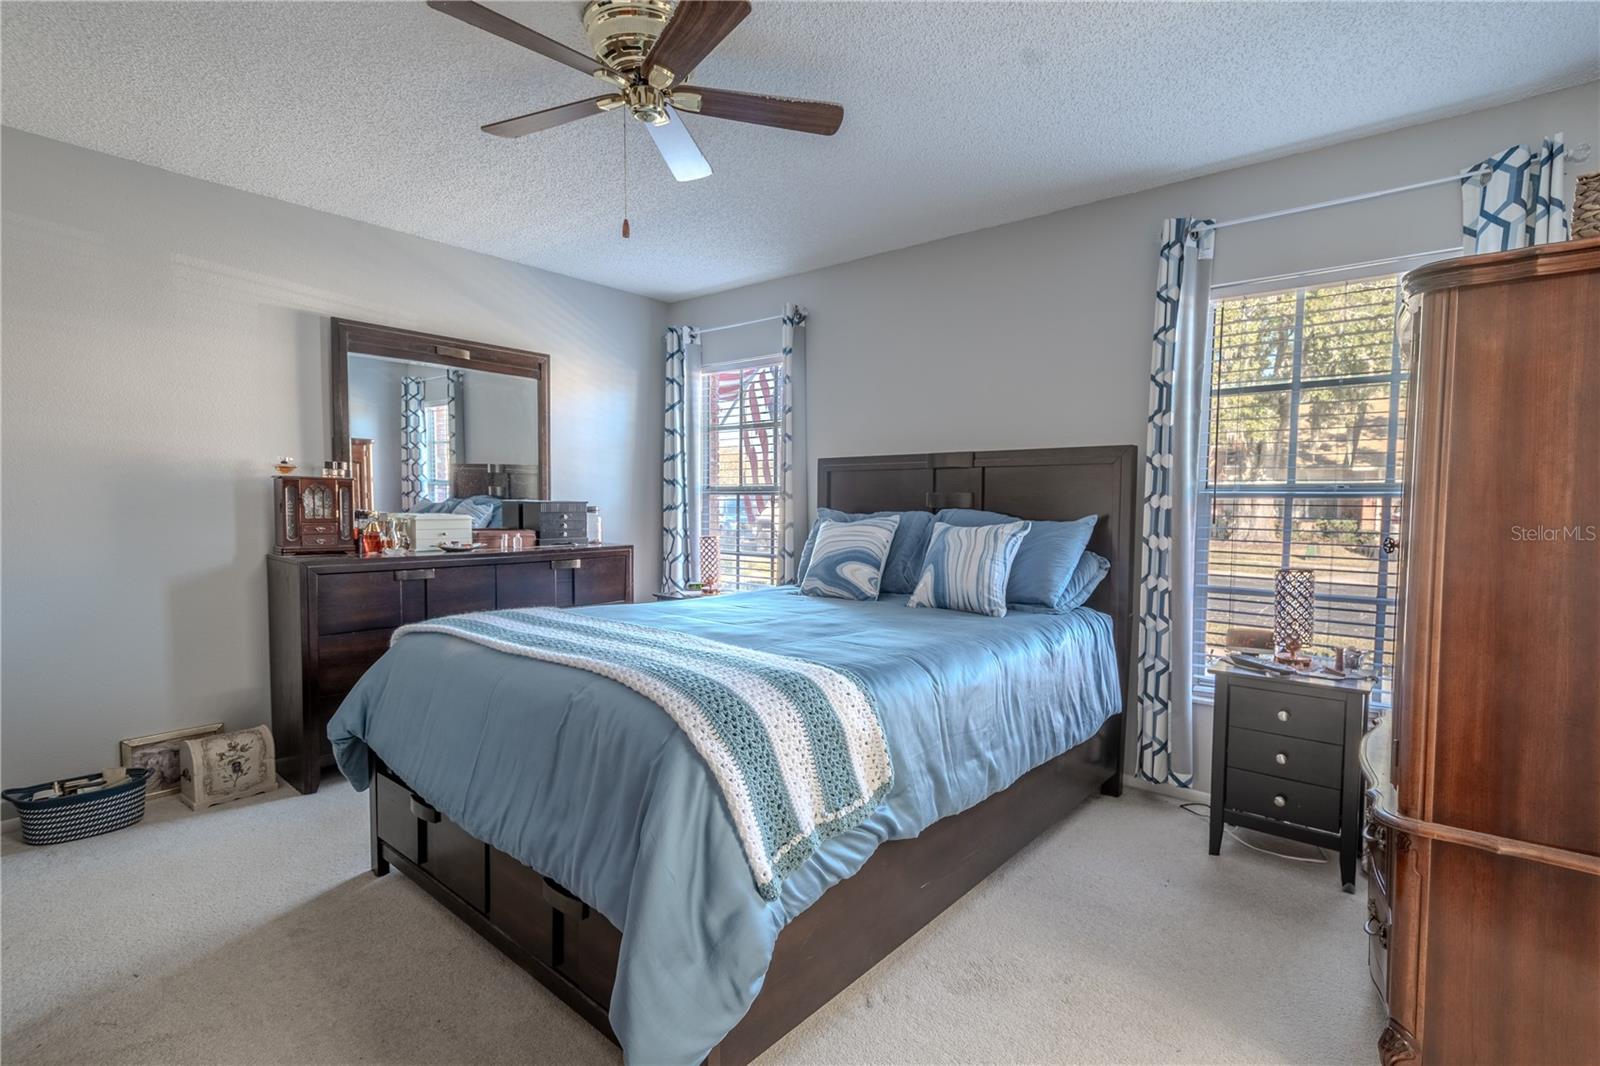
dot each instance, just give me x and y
(493, 22)
(523, 125)
(677, 147)
(806, 116)
(695, 28)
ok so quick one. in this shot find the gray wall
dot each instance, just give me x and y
(1037, 333)
(374, 391)
(498, 430)
(164, 340)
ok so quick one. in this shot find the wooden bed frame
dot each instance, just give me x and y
(572, 949)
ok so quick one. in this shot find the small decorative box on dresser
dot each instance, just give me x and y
(331, 618)
(1285, 759)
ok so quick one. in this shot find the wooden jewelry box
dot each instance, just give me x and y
(313, 515)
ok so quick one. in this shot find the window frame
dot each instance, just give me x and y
(1290, 490)
(700, 490)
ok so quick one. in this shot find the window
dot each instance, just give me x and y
(436, 452)
(740, 419)
(1304, 446)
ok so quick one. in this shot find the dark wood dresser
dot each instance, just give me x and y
(1284, 761)
(331, 617)
(1484, 850)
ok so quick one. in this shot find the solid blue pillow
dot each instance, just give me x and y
(483, 510)
(966, 567)
(1086, 577)
(904, 566)
(1046, 560)
(848, 558)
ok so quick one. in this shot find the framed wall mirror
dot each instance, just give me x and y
(425, 420)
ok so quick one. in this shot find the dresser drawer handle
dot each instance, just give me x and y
(1282, 758)
(567, 564)
(414, 575)
(1280, 800)
(1283, 714)
(1373, 927)
(1376, 835)
(423, 811)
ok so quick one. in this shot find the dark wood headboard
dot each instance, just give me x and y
(1048, 484)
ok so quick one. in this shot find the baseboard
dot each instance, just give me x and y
(8, 824)
(1188, 795)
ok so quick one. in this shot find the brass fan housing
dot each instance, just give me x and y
(622, 32)
(647, 104)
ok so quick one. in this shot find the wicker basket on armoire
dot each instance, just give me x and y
(1586, 207)
(1483, 835)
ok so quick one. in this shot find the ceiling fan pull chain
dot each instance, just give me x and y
(624, 172)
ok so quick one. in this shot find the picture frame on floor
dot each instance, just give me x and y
(159, 753)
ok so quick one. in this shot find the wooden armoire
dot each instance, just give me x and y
(1483, 835)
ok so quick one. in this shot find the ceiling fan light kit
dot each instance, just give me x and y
(643, 49)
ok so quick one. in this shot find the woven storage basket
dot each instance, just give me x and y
(1586, 206)
(63, 818)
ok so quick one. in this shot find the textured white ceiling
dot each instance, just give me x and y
(957, 116)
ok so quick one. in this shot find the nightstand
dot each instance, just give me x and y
(1286, 760)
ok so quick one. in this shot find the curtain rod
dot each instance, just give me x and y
(736, 325)
(1264, 216)
(1578, 154)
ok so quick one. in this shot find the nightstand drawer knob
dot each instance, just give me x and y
(1283, 714)
(1280, 800)
(1282, 758)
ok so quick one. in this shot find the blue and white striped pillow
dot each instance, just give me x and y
(847, 559)
(967, 567)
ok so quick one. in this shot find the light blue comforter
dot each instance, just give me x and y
(593, 785)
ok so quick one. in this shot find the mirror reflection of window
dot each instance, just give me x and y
(436, 452)
(431, 435)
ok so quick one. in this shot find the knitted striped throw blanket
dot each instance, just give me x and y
(796, 747)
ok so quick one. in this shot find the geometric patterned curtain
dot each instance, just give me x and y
(1177, 374)
(675, 463)
(791, 446)
(411, 393)
(1516, 199)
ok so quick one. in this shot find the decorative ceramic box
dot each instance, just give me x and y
(425, 532)
(227, 766)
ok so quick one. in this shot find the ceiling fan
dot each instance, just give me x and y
(644, 50)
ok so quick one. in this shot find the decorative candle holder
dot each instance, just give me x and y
(710, 563)
(1294, 614)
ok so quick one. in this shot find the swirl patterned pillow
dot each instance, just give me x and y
(847, 560)
(967, 567)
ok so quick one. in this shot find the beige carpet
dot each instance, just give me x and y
(255, 934)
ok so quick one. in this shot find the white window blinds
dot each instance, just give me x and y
(739, 498)
(1304, 442)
